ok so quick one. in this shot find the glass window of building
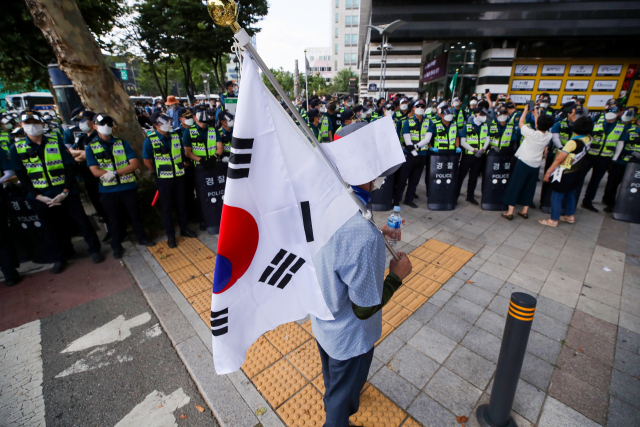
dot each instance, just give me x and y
(311, 58)
(354, 20)
(329, 59)
(347, 20)
(354, 39)
(336, 49)
(337, 18)
(337, 3)
(355, 4)
(354, 58)
(348, 4)
(347, 58)
(336, 32)
(347, 39)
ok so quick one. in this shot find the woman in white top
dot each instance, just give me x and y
(522, 183)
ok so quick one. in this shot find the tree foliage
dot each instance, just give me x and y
(24, 52)
(340, 82)
(284, 78)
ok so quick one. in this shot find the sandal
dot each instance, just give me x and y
(566, 219)
(548, 222)
(509, 217)
(523, 215)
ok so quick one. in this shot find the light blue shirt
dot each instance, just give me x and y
(350, 268)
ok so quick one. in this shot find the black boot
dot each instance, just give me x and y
(58, 267)
(171, 242)
(188, 233)
(588, 206)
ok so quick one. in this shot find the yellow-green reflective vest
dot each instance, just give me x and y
(323, 136)
(634, 142)
(49, 174)
(105, 161)
(605, 145)
(168, 162)
(504, 141)
(476, 139)
(4, 141)
(445, 140)
(205, 148)
(460, 119)
(418, 131)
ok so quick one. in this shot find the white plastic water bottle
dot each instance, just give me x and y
(394, 222)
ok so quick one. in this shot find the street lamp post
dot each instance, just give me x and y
(205, 80)
(385, 30)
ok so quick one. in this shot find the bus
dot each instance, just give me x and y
(33, 100)
(142, 99)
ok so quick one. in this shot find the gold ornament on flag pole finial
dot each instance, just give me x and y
(224, 12)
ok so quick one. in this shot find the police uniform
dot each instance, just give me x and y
(193, 208)
(411, 170)
(6, 139)
(167, 155)
(605, 137)
(619, 165)
(460, 119)
(47, 169)
(113, 155)
(470, 163)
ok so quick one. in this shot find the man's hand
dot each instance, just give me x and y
(58, 199)
(389, 232)
(401, 268)
(108, 177)
(546, 177)
(44, 199)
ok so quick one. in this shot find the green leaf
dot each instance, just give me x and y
(261, 411)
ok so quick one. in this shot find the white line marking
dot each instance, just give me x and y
(156, 410)
(153, 331)
(118, 329)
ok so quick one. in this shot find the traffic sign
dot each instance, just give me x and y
(123, 74)
(373, 87)
(121, 65)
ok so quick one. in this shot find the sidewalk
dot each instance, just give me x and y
(437, 357)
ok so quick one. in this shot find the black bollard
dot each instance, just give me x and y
(514, 345)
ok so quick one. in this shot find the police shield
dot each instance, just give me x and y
(627, 206)
(210, 184)
(496, 175)
(443, 182)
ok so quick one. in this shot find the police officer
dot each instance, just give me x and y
(226, 135)
(113, 162)
(503, 132)
(6, 126)
(231, 92)
(348, 116)
(45, 169)
(459, 117)
(415, 140)
(606, 136)
(186, 124)
(71, 133)
(446, 140)
(78, 151)
(52, 125)
(326, 123)
(162, 152)
(474, 137)
(629, 151)
(473, 103)
(8, 258)
(431, 110)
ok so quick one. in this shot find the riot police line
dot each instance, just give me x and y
(42, 162)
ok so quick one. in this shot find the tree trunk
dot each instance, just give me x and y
(80, 58)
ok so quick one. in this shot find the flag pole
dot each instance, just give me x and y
(224, 12)
(306, 79)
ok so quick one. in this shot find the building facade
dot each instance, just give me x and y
(585, 48)
(320, 61)
(345, 24)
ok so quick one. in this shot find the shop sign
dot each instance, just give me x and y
(435, 68)
(566, 98)
(609, 70)
(581, 70)
(552, 70)
(577, 85)
(554, 99)
(604, 85)
(525, 70)
(522, 85)
(550, 85)
(520, 99)
(598, 100)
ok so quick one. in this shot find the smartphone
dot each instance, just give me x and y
(486, 91)
(531, 105)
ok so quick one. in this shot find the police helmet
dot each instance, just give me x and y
(30, 115)
(103, 119)
(84, 115)
(613, 108)
(501, 110)
(312, 114)
(159, 119)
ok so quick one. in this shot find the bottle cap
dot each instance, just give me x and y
(397, 208)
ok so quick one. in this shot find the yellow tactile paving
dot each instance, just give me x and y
(195, 286)
(436, 246)
(377, 411)
(306, 359)
(437, 274)
(185, 274)
(284, 364)
(448, 263)
(201, 302)
(287, 337)
(260, 355)
(186, 245)
(305, 409)
(279, 382)
(319, 383)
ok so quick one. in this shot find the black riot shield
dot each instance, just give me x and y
(442, 188)
(32, 240)
(494, 180)
(382, 198)
(210, 186)
(628, 201)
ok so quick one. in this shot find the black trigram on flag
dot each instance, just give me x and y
(239, 163)
(277, 278)
(218, 319)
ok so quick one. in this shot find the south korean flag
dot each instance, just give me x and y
(281, 205)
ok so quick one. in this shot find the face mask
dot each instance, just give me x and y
(480, 119)
(230, 123)
(419, 111)
(8, 126)
(456, 104)
(448, 117)
(404, 107)
(105, 130)
(218, 104)
(429, 110)
(433, 100)
(473, 103)
(544, 104)
(379, 182)
(350, 103)
(166, 127)
(388, 112)
(502, 118)
(626, 118)
(188, 122)
(84, 126)
(33, 129)
(323, 109)
(608, 116)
